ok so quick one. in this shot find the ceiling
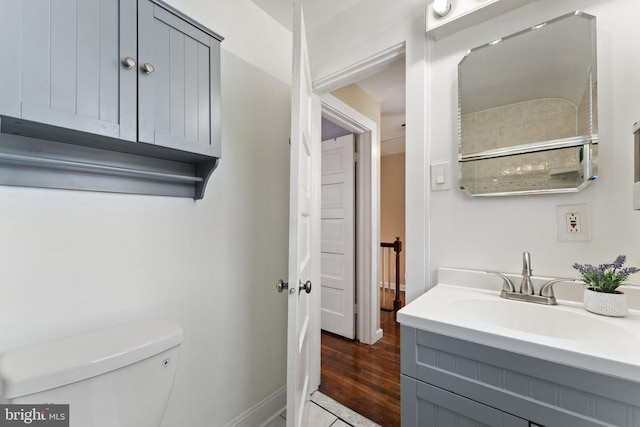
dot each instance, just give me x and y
(316, 12)
(387, 87)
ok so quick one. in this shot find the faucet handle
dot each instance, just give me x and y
(547, 289)
(507, 284)
(526, 264)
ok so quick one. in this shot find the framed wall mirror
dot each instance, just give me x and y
(527, 110)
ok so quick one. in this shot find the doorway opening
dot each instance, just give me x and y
(378, 101)
(379, 188)
(364, 259)
(388, 88)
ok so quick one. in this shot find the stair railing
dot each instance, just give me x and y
(390, 289)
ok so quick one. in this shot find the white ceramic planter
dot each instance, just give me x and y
(614, 305)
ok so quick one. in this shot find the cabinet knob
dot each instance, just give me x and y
(147, 68)
(129, 62)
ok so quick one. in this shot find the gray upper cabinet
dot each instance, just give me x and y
(67, 72)
(177, 63)
(133, 77)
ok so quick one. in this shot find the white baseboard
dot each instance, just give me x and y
(378, 336)
(263, 412)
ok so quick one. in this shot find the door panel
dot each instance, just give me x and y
(338, 237)
(304, 250)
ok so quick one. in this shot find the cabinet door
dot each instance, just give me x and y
(178, 83)
(10, 11)
(423, 405)
(66, 63)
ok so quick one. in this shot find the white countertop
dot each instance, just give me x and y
(564, 333)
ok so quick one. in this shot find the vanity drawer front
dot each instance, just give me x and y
(543, 392)
(429, 406)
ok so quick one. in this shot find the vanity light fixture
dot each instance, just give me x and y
(441, 7)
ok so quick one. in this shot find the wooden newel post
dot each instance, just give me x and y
(397, 248)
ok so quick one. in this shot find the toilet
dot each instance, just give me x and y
(118, 376)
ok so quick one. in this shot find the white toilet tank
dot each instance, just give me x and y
(114, 377)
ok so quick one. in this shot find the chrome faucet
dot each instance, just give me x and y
(526, 287)
(527, 291)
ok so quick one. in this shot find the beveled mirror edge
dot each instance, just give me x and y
(587, 172)
(592, 137)
(533, 28)
(574, 141)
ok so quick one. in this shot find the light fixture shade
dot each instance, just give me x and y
(441, 7)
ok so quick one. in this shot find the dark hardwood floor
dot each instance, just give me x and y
(365, 378)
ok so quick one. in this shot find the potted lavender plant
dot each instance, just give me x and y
(601, 294)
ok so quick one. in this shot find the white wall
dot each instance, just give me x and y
(493, 233)
(249, 32)
(73, 261)
(361, 31)
(450, 229)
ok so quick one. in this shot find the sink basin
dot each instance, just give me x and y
(564, 333)
(547, 321)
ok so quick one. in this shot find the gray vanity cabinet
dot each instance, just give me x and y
(448, 382)
(426, 405)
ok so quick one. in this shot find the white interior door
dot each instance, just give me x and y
(303, 349)
(337, 272)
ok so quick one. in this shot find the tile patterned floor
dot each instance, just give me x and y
(326, 412)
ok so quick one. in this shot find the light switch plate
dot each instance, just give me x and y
(573, 223)
(440, 176)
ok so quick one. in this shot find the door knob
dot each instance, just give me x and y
(306, 286)
(281, 285)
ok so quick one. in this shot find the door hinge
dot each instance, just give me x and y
(355, 308)
(356, 157)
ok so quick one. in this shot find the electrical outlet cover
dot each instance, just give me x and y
(565, 214)
(573, 223)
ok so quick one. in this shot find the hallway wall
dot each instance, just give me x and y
(357, 98)
(392, 203)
